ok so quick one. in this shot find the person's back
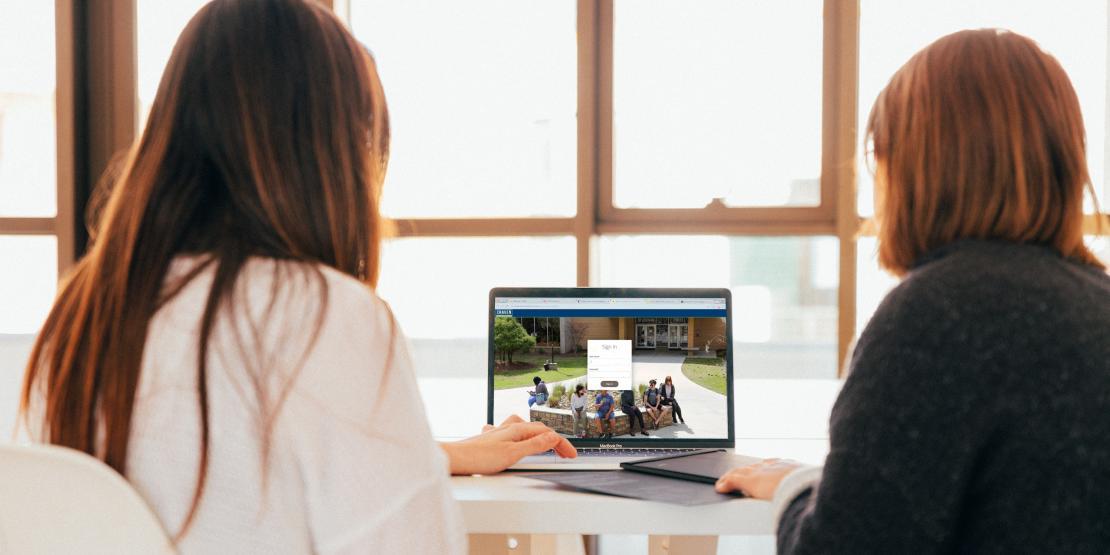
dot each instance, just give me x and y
(1038, 359)
(985, 376)
(350, 459)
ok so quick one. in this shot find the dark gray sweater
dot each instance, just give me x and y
(976, 415)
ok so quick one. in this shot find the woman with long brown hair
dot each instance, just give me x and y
(221, 345)
(976, 413)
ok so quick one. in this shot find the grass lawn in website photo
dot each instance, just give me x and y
(526, 366)
(706, 372)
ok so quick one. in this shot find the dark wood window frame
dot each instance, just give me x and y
(97, 113)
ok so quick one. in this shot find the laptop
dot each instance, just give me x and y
(545, 342)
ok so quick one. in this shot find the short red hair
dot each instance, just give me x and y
(979, 135)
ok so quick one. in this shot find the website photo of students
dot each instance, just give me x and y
(628, 406)
(606, 414)
(578, 408)
(653, 404)
(554, 347)
(539, 394)
(668, 392)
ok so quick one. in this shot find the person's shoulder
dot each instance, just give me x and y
(979, 294)
(983, 264)
(345, 288)
(292, 281)
(316, 301)
(979, 279)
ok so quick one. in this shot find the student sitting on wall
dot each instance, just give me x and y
(606, 414)
(668, 392)
(628, 405)
(578, 410)
(653, 404)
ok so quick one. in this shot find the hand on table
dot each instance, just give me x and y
(498, 447)
(758, 480)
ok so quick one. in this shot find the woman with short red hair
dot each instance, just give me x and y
(976, 415)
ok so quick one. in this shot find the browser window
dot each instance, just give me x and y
(610, 367)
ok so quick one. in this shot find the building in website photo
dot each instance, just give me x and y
(570, 334)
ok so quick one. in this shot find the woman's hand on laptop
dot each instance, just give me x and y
(757, 480)
(514, 419)
(499, 447)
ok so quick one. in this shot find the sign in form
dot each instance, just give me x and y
(608, 364)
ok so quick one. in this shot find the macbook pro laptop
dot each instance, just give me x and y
(613, 342)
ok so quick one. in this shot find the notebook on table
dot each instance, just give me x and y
(705, 466)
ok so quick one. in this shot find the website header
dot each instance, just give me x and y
(608, 306)
(594, 303)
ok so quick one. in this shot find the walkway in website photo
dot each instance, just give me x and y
(705, 411)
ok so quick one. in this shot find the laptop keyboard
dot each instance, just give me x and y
(597, 452)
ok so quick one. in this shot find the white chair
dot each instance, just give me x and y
(58, 500)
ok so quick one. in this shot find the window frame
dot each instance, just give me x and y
(94, 114)
(61, 224)
(597, 215)
(97, 108)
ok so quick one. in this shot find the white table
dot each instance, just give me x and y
(510, 503)
(774, 418)
(509, 508)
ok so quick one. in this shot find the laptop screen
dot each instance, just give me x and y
(613, 368)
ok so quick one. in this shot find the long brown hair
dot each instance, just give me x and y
(979, 135)
(268, 138)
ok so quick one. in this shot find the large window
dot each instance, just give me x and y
(29, 291)
(1074, 32)
(715, 100)
(158, 24)
(565, 142)
(27, 135)
(645, 133)
(710, 140)
(485, 89)
(29, 213)
(890, 32)
(438, 289)
(783, 290)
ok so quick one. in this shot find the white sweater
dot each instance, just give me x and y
(352, 465)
